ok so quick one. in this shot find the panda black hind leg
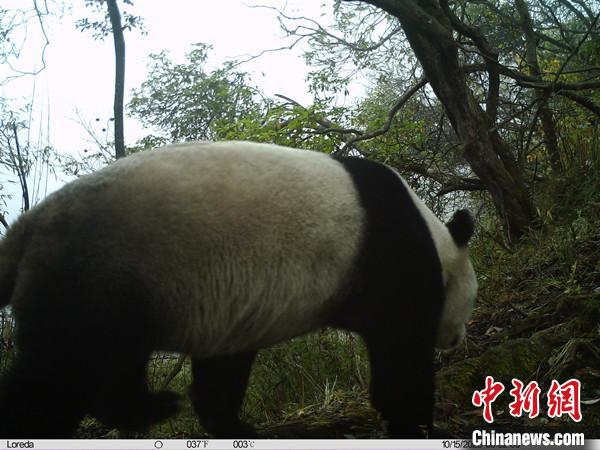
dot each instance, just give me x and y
(217, 393)
(61, 349)
(83, 344)
(38, 400)
(122, 345)
(45, 392)
(123, 400)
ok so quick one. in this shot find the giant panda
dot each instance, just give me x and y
(217, 250)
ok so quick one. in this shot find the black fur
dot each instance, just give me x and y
(461, 227)
(80, 357)
(396, 299)
(218, 393)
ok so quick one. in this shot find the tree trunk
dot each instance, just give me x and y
(540, 94)
(429, 33)
(117, 29)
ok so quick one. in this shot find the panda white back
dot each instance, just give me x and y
(242, 245)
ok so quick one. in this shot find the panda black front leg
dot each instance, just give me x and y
(402, 383)
(218, 391)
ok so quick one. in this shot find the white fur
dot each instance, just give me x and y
(244, 244)
(459, 278)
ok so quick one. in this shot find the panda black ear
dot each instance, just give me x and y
(461, 227)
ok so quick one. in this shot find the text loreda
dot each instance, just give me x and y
(19, 444)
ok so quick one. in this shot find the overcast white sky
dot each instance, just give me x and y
(80, 71)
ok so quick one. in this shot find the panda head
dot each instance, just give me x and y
(460, 283)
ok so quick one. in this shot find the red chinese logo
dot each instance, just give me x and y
(564, 399)
(487, 396)
(525, 400)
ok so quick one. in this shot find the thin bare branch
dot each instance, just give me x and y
(317, 28)
(465, 184)
(575, 11)
(513, 116)
(393, 111)
(449, 183)
(28, 15)
(529, 81)
(249, 58)
(3, 221)
(509, 20)
(586, 8)
(576, 49)
(414, 15)
(39, 13)
(583, 101)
